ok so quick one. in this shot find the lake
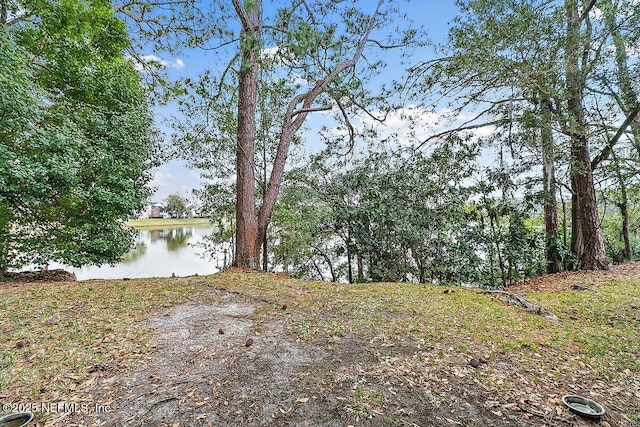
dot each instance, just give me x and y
(159, 253)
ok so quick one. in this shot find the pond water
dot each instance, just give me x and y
(159, 253)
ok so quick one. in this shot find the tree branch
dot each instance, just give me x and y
(460, 129)
(311, 110)
(517, 300)
(16, 19)
(352, 132)
(292, 123)
(244, 19)
(606, 151)
(587, 10)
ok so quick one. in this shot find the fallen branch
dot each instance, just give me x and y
(517, 300)
(580, 287)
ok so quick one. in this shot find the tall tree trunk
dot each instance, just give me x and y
(248, 241)
(623, 204)
(493, 219)
(629, 103)
(349, 259)
(3, 18)
(265, 246)
(628, 249)
(554, 260)
(327, 260)
(564, 224)
(629, 96)
(265, 253)
(251, 230)
(587, 242)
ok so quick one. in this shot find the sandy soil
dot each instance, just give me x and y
(214, 366)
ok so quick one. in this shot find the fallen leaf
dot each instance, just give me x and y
(302, 400)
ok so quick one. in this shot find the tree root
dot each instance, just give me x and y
(517, 300)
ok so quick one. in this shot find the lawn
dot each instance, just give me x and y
(386, 353)
(160, 223)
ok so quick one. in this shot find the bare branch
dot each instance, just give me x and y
(244, 19)
(587, 10)
(291, 123)
(136, 18)
(606, 151)
(310, 12)
(460, 129)
(352, 132)
(13, 20)
(311, 110)
(387, 46)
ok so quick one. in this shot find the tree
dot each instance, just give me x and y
(534, 65)
(587, 242)
(177, 206)
(319, 42)
(499, 64)
(75, 134)
(250, 230)
(385, 217)
(205, 136)
(627, 100)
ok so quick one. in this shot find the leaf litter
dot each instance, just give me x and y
(173, 352)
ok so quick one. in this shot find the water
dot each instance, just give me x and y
(159, 253)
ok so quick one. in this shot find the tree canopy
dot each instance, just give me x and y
(319, 53)
(76, 135)
(177, 206)
(537, 74)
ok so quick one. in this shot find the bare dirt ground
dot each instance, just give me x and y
(57, 275)
(215, 362)
(572, 279)
(213, 367)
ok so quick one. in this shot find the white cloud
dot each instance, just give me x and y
(269, 52)
(174, 178)
(624, 10)
(411, 124)
(155, 61)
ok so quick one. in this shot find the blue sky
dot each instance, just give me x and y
(175, 178)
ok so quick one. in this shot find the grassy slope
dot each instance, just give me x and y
(158, 223)
(52, 334)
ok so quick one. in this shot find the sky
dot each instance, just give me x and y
(175, 177)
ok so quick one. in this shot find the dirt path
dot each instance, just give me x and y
(215, 363)
(210, 367)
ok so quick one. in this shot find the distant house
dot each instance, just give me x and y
(156, 210)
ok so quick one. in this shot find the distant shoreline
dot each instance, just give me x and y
(167, 222)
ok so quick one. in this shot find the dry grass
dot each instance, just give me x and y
(53, 335)
(160, 223)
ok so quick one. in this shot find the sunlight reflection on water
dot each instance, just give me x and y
(158, 253)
